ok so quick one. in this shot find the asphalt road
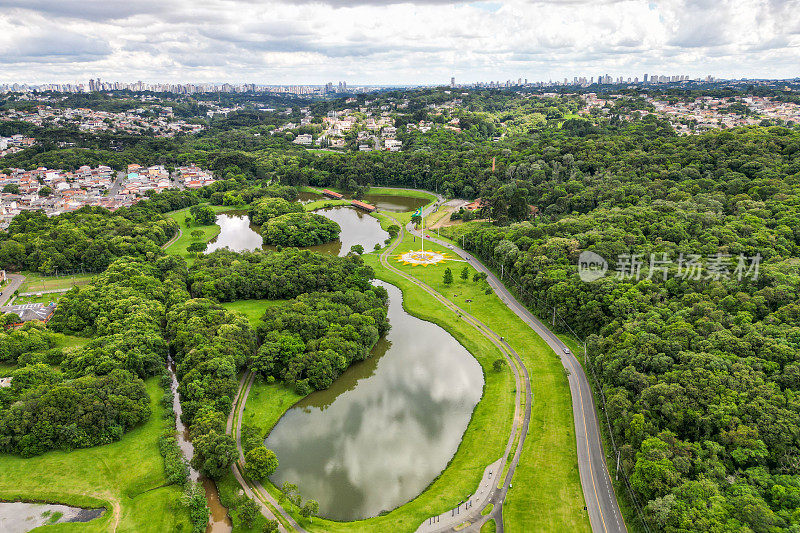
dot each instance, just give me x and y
(601, 502)
(15, 282)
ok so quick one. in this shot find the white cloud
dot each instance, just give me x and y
(383, 41)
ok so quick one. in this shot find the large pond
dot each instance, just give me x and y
(238, 234)
(387, 427)
(19, 517)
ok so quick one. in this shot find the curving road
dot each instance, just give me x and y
(15, 281)
(598, 491)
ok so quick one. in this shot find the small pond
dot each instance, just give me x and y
(238, 234)
(387, 427)
(20, 517)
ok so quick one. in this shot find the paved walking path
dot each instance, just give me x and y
(476, 502)
(48, 291)
(520, 423)
(598, 491)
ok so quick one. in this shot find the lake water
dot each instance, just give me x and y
(20, 517)
(387, 427)
(395, 204)
(239, 235)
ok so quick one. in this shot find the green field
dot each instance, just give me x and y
(69, 341)
(547, 494)
(267, 403)
(43, 299)
(483, 442)
(35, 281)
(411, 193)
(126, 477)
(253, 309)
(178, 247)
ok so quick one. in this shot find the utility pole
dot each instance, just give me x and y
(554, 316)
(616, 473)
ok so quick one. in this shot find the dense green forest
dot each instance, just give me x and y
(313, 339)
(265, 209)
(299, 229)
(699, 366)
(139, 312)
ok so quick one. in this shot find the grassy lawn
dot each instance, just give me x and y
(547, 494)
(266, 404)
(43, 299)
(411, 193)
(208, 232)
(322, 204)
(253, 309)
(484, 439)
(443, 211)
(488, 527)
(126, 476)
(35, 281)
(69, 341)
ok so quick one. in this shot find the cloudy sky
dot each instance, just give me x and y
(390, 42)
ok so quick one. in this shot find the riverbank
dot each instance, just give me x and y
(125, 477)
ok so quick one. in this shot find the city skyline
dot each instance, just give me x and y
(380, 42)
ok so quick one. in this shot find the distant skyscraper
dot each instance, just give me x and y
(645, 78)
(452, 81)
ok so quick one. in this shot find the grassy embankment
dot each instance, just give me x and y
(547, 494)
(411, 193)
(483, 442)
(126, 477)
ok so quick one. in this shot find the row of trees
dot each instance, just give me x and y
(312, 339)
